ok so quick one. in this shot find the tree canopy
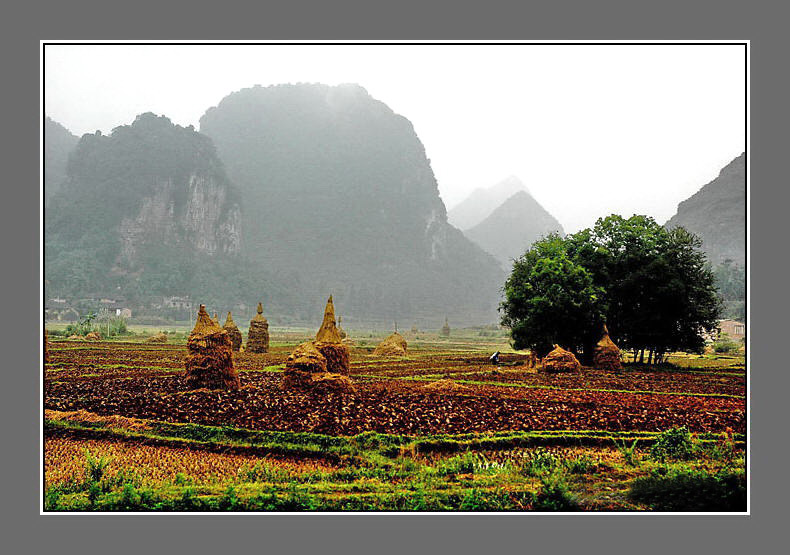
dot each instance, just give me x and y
(652, 287)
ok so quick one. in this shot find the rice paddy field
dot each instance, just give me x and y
(439, 430)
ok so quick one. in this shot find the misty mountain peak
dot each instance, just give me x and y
(478, 205)
(513, 226)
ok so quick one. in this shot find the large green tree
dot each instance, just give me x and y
(550, 298)
(653, 288)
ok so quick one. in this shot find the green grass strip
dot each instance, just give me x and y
(366, 447)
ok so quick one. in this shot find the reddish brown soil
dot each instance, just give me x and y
(151, 386)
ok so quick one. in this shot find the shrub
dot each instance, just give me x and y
(628, 452)
(554, 495)
(725, 345)
(95, 467)
(689, 490)
(673, 444)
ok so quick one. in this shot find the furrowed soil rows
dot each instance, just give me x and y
(136, 381)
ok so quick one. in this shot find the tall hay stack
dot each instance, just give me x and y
(606, 355)
(209, 363)
(560, 360)
(322, 364)
(330, 343)
(445, 328)
(393, 346)
(340, 329)
(233, 332)
(216, 319)
(258, 335)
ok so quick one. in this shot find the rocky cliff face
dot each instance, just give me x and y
(150, 199)
(717, 214)
(339, 197)
(512, 227)
(204, 224)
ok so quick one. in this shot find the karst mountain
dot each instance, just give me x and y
(287, 194)
(717, 214)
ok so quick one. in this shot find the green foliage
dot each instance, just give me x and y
(724, 344)
(95, 467)
(628, 452)
(673, 444)
(651, 286)
(465, 463)
(690, 490)
(731, 280)
(83, 327)
(540, 462)
(724, 449)
(580, 465)
(549, 298)
(554, 494)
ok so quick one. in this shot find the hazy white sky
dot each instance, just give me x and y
(591, 130)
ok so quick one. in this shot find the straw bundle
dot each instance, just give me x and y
(394, 345)
(560, 360)
(158, 338)
(258, 336)
(606, 355)
(233, 332)
(209, 363)
(328, 332)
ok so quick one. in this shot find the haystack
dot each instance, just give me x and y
(233, 332)
(258, 336)
(340, 330)
(445, 328)
(393, 346)
(93, 336)
(215, 318)
(307, 368)
(158, 338)
(414, 329)
(210, 360)
(322, 364)
(328, 332)
(329, 342)
(606, 355)
(560, 360)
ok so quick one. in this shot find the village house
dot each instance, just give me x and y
(733, 328)
(180, 303)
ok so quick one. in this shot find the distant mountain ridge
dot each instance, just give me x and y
(339, 197)
(140, 211)
(717, 214)
(482, 201)
(510, 229)
(59, 143)
(289, 193)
